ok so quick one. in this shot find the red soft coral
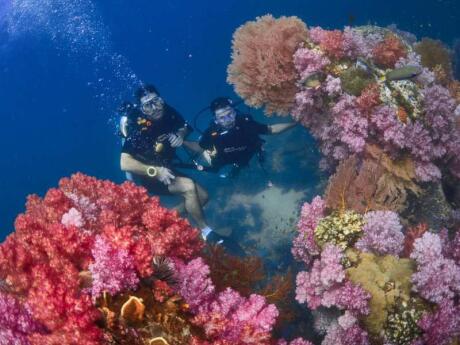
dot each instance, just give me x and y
(389, 51)
(333, 43)
(369, 99)
(53, 242)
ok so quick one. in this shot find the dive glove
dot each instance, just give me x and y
(175, 140)
(164, 175)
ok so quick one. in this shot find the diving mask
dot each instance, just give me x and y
(152, 105)
(225, 117)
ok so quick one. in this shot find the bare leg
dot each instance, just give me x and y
(187, 188)
(203, 196)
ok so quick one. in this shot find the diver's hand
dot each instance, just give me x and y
(207, 157)
(175, 140)
(164, 175)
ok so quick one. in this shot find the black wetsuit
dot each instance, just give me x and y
(147, 142)
(236, 145)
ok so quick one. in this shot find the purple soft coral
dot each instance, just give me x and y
(113, 269)
(437, 278)
(441, 326)
(195, 285)
(353, 125)
(382, 233)
(16, 322)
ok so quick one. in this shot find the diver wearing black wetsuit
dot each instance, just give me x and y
(147, 141)
(236, 145)
(153, 132)
(233, 138)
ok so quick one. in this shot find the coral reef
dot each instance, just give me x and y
(262, 70)
(98, 263)
(391, 298)
(391, 140)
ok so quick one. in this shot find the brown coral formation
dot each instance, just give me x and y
(376, 183)
(262, 69)
(142, 319)
(242, 274)
(434, 55)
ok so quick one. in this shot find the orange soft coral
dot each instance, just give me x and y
(389, 51)
(262, 69)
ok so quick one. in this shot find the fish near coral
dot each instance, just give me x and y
(402, 73)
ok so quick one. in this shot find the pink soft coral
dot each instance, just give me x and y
(325, 284)
(195, 285)
(304, 246)
(237, 320)
(308, 62)
(16, 322)
(262, 69)
(353, 125)
(441, 326)
(226, 317)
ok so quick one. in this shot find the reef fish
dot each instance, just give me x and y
(314, 81)
(406, 72)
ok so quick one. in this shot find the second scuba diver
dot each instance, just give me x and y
(232, 138)
(153, 131)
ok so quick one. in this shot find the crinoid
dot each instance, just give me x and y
(163, 270)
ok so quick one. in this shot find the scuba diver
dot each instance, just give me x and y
(152, 132)
(232, 138)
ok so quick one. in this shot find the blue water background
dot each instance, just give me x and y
(57, 102)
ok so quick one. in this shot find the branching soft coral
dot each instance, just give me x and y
(382, 233)
(388, 52)
(113, 269)
(262, 69)
(338, 44)
(16, 322)
(53, 242)
(326, 284)
(226, 316)
(346, 332)
(437, 278)
(441, 326)
(353, 125)
(304, 246)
